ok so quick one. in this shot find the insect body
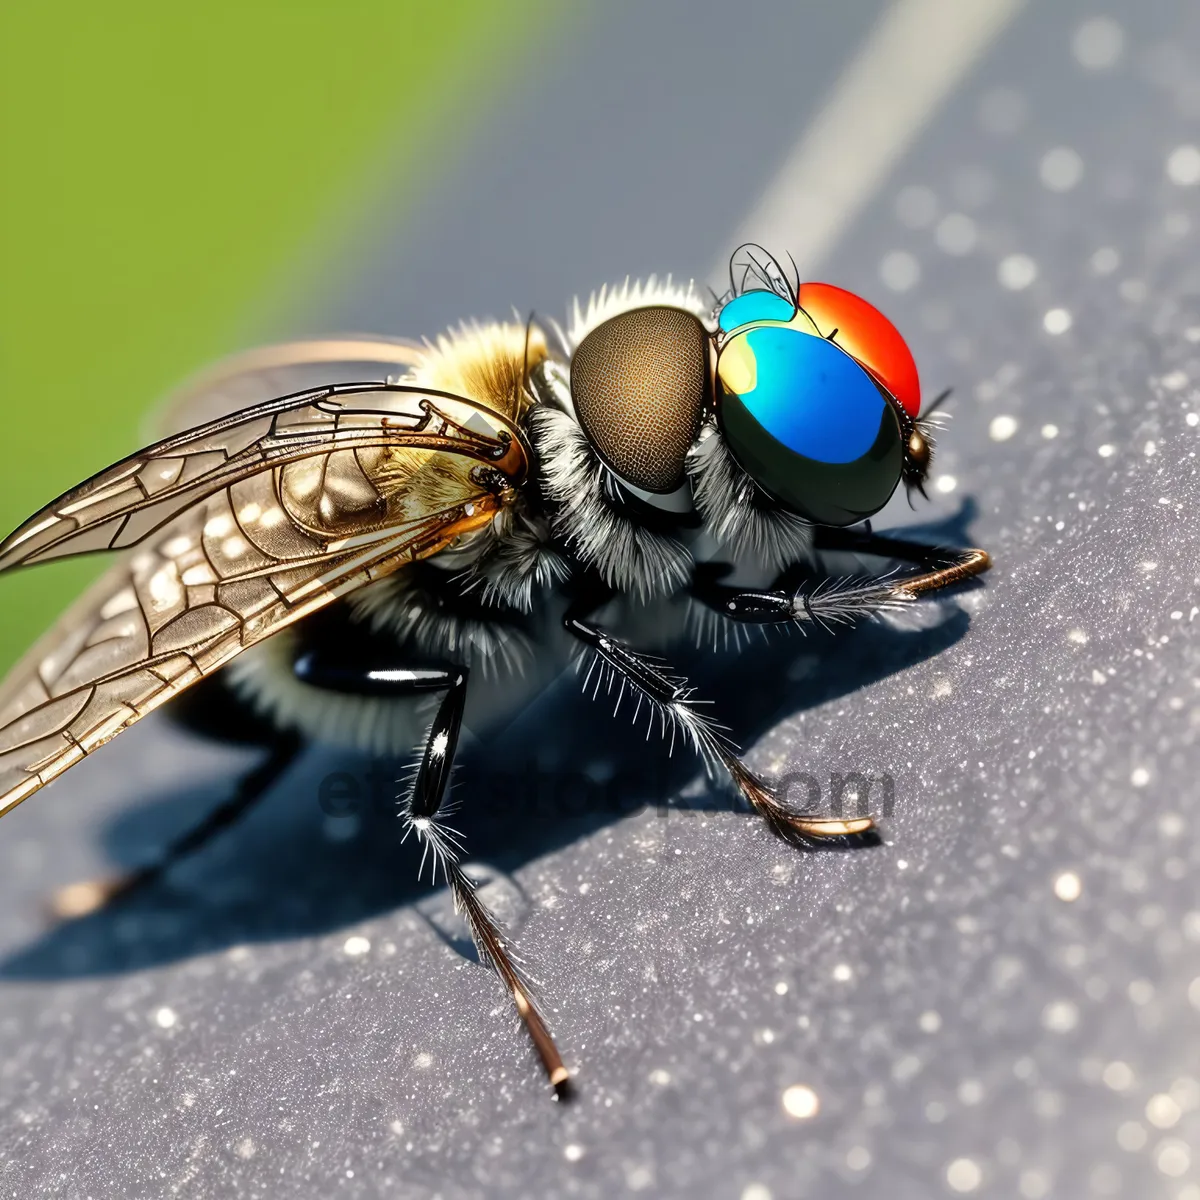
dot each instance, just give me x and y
(353, 547)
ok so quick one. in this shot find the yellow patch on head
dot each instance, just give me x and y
(737, 367)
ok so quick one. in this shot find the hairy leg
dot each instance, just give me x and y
(680, 713)
(423, 810)
(841, 602)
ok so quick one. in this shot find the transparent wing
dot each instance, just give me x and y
(264, 372)
(244, 525)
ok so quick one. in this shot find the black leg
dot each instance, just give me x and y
(319, 668)
(423, 805)
(841, 602)
(674, 704)
(80, 899)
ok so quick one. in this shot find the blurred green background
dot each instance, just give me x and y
(177, 179)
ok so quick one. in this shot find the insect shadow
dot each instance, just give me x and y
(323, 850)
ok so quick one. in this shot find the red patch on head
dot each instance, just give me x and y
(866, 335)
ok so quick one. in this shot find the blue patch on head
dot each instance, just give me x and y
(812, 396)
(808, 424)
(755, 306)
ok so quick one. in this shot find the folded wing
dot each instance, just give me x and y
(242, 526)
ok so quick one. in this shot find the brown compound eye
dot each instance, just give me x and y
(640, 383)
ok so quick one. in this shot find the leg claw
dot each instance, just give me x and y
(830, 827)
(82, 899)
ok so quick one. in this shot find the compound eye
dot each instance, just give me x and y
(640, 383)
(809, 424)
(867, 335)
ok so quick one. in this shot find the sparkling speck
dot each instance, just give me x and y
(800, 1102)
(1173, 1157)
(963, 1175)
(165, 1018)
(756, 1191)
(781, 988)
(572, 1152)
(1016, 272)
(1171, 824)
(1068, 886)
(356, 946)
(1098, 43)
(1049, 431)
(1061, 169)
(1133, 290)
(1131, 1136)
(1140, 777)
(930, 1021)
(956, 234)
(858, 1158)
(1033, 1184)
(843, 973)
(1162, 1111)
(900, 271)
(659, 1077)
(1002, 428)
(1056, 321)
(1141, 992)
(1107, 450)
(1117, 1075)
(1183, 166)
(946, 484)
(1185, 1091)
(1060, 1016)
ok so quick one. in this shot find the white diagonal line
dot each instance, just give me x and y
(910, 62)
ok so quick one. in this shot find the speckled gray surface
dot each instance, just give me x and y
(1004, 1000)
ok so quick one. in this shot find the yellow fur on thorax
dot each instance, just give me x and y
(486, 363)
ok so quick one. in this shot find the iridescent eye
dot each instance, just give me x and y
(867, 335)
(809, 424)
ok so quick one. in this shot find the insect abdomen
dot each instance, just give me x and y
(640, 383)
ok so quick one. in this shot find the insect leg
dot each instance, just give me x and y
(80, 899)
(674, 703)
(940, 566)
(423, 804)
(840, 602)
